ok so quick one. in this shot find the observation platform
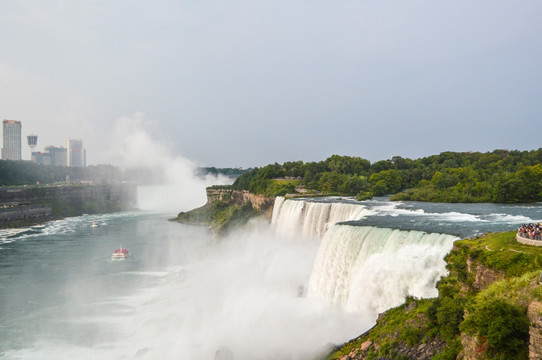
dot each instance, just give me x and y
(528, 241)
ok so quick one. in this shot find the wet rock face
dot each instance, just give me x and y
(534, 312)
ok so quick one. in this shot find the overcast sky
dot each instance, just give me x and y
(247, 83)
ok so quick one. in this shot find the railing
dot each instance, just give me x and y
(527, 240)
(528, 237)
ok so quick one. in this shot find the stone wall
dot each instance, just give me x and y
(526, 241)
(18, 213)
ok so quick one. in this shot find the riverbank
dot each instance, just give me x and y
(28, 205)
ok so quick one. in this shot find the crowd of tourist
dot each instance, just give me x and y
(531, 231)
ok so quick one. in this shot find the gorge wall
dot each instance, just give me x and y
(39, 203)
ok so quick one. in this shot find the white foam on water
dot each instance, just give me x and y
(506, 218)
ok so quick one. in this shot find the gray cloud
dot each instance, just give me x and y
(249, 83)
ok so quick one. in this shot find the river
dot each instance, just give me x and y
(262, 293)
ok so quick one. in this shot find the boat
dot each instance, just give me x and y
(120, 253)
(95, 224)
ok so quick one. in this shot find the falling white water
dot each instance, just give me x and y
(313, 219)
(287, 216)
(363, 269)
(368, 269)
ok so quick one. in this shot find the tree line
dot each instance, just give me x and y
(499, 176)
(28, 173)
(14, 173)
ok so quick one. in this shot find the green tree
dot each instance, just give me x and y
(386, 182)
(504, 326)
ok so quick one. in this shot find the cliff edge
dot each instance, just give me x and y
(227, 208)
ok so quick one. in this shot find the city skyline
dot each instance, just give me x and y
(73, 154)
(248, 84)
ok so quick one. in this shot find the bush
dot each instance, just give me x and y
(504, 326)
(449, 315)
(450, 352)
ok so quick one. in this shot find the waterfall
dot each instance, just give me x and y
(363, 269)
(369, 269)
(311, 218)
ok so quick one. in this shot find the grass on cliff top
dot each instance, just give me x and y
(221, 216)
(294, 182)
(501, 251)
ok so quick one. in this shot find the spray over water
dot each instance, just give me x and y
(170, 181)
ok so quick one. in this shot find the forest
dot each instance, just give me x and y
(502, 176)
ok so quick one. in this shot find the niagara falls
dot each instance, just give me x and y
(285, 290)
(270, 180)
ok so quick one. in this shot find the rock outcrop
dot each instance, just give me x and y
(534, 312)
(240, 197)
(483, 276)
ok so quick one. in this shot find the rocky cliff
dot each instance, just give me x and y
(22, 205)
(240, 197)
(227, 208)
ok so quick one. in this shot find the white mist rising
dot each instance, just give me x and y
(244, 297)
(171, 184)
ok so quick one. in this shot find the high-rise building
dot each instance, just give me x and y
(59, 155)
(76, 153)
(12, 140)
(42, 158)
(52, 155)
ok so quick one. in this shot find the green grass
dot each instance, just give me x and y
(294, 182)
(502, 252)
(220, 216)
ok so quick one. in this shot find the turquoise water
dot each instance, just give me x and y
(59, 284)
(181, 294)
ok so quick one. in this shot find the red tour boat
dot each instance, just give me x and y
(120, 253)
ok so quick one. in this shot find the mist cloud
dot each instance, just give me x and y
(171, 183)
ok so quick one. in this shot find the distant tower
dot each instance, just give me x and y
(12, 140)
(32, 142)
